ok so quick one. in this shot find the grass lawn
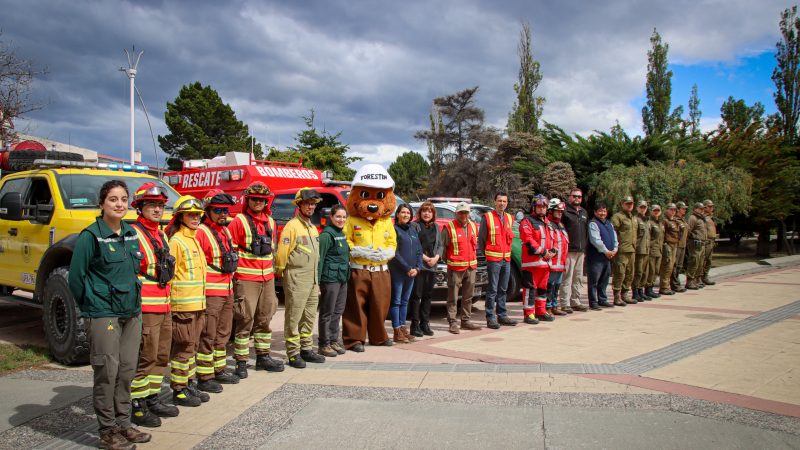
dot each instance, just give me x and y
(727, 258)
(13, 357)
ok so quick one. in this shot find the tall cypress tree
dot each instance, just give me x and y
(656, 115)
(527, 109)
(787, 76)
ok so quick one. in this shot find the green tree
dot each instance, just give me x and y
(737, 116)
(516, 168)
(319, 150)
(558, 180)
(786, 75)
(663, 182)
(694, 112)
(201, 126)
(656, 118)
(410, 174)
(527, 109)
(462, 132)
(435, 143)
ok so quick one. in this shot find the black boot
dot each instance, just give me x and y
(226, 377)
(644, 295)
(265, 362)
(297, 362)
(192, 388)
(211, 385)
(142, 416)
(651, 293)
(415, 329)
(426, 328)
(185, 398)
(157, 407)
(636, 295)
(241, 369)
(311, 356)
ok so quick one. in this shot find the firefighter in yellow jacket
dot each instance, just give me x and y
(187, 300)
(297, 261)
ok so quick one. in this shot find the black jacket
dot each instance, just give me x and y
(577, 223)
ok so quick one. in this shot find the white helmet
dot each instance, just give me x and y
(374, 176)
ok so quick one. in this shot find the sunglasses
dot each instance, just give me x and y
(221, 210)
(257, 199)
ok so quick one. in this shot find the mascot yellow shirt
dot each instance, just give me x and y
(362, 233)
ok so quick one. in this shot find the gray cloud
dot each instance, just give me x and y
(369, 69)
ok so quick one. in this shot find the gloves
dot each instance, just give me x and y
(361, 252)
(372, 254)
(385, 254)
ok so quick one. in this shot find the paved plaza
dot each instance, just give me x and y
(715, 368)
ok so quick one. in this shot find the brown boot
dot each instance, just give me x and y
(626, 298)
(580, 308)
(692, 284)
(567, 309)
(454, 327)
(467, 325)
(399, 336)
(134, 435)
(617, 301)
(408, 334)
(557, 312)
(111, 439)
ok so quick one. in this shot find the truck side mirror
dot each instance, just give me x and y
(11, 206)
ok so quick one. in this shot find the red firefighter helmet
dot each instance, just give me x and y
(258, 189)
(148, 191)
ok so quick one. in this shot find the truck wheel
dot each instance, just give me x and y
(514, 284)
(22, 159)
(64, 328)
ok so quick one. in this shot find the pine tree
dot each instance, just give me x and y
(656, 114)
(694, 112)
(786, 75)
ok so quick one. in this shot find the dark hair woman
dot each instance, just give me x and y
(430, 239)
(403, 268)
(102, 278)
(334, 271)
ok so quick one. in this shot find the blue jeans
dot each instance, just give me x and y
(553, 283)
(498, 272)
(402, 287)
(599, 270)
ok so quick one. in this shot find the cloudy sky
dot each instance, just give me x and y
(371, 68)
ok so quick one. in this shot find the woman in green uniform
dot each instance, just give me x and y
(102, 278)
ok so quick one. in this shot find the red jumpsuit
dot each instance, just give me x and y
(536, 241)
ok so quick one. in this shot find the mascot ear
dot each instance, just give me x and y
(352, 201)
(390, 202)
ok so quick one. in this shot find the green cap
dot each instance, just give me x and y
(708, 203)
(627, 199)
(698, 205)
(642, 203)
(656, 207)
(681, 205)
(671, 206)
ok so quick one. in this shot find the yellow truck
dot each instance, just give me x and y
(42, 211)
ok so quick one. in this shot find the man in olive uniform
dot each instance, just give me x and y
(680, 256)
(623, 261)
(642, 253)
(695, 245)
(656, 229)
(711, 230)
(672, 235)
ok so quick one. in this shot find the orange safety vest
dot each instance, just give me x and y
(461, 253)
(218, 284)
(155, 299)
(499, 237)
(252, 267)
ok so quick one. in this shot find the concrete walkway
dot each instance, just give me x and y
(715, 368)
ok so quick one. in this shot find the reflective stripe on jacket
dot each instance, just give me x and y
(155, 299)
(187, 291)
(218, 284)
(535, 242)
(560, 239)
(251, 267)
(461, 246)
(499, 236)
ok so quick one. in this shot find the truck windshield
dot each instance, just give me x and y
(81, 191)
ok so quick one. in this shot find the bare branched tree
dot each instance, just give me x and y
(16, 76)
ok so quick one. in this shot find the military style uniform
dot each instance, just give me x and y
(642, 256)
(695, 246)
(672, 233)
(623, 263)
(708, 249)
(680, 256)
(656, 228)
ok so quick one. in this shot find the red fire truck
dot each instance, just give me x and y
(234, 171)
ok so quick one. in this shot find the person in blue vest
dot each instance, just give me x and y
(601, 250)
(403, 269)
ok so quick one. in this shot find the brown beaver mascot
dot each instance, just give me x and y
(370, 233)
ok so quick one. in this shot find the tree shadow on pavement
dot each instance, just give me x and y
(68, 415)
